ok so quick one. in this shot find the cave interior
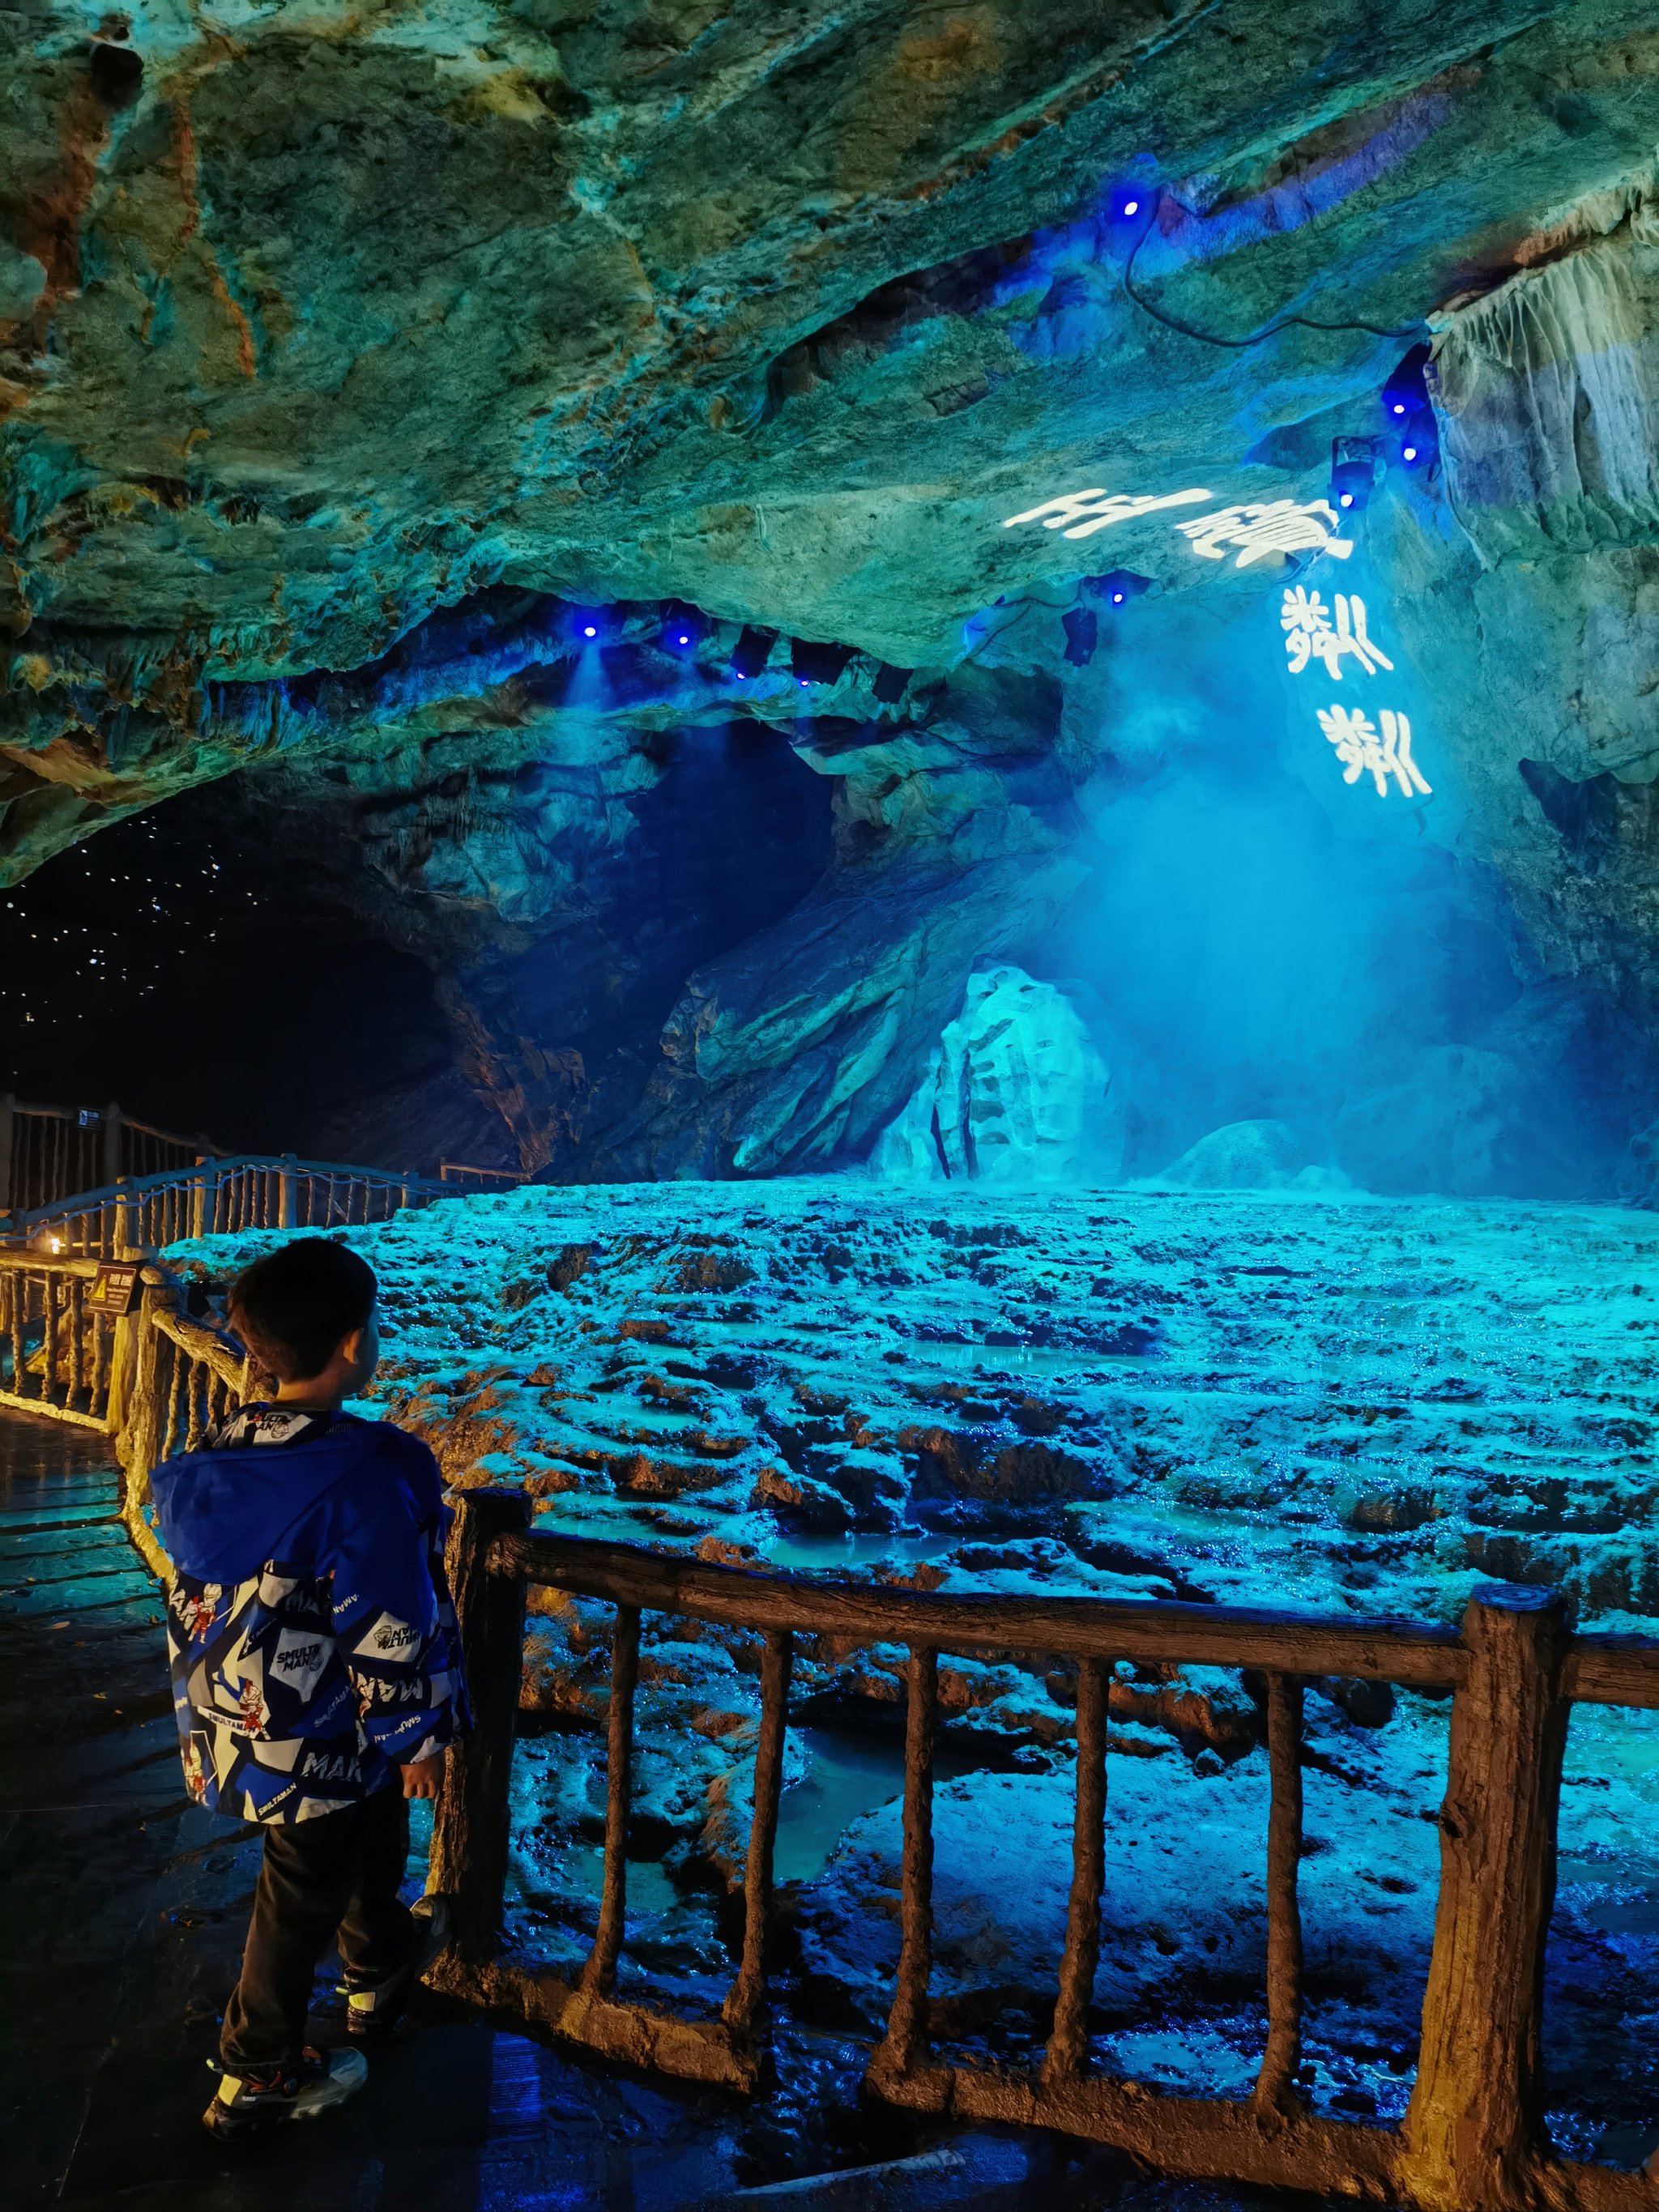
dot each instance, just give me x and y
(1005, 659)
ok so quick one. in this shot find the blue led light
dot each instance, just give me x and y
(589, 630)
(1411, 453)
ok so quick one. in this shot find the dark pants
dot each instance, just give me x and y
(337, 1875)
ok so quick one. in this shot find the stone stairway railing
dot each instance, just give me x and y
(1473, 2138)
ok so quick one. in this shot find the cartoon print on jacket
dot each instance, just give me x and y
(310, 1628)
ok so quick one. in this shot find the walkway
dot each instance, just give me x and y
(121, 1908)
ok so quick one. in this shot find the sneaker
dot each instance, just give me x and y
(314, 2082)
(375, 2007)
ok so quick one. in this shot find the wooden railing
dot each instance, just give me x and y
(1473, 2138)
(57, 1356)
(153, 1378)
(468, 1178)
(187, 1377)
(49, 1152)
(219, 1197)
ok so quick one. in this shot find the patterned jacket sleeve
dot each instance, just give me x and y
(393, 1625)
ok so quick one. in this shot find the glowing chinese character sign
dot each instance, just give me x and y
(1080, 513)
(1310, 634)
(1364, 749)
(1330, 636)
(1257, 533)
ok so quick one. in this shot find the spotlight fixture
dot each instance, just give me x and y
(752, 652)
(586, 624)
(1354, 472)
(891, 683)
(814, 663)
(682, 626)
(1419, 443)
(1406, 392)
(1126, 203)
(1117, 586)
(1082, 635)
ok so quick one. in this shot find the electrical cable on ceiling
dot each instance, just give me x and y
(1236, 346)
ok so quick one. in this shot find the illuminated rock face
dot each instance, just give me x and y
(1015, 1092)
(350, 372)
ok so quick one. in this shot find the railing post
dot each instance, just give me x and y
(1275, 2086)
(469, 1827)
(906, 2042)
(112, 1143)
(1063, 2061)
(599, 1974)
(285, 1191)
(198, 1199)
(1474, 2131)
(126, 1334)
(746, 2000)
(140, 1446)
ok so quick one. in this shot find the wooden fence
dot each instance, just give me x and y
(57, 1355)
(49, 1152)
(220, 1196)
(1473, 2138)
(462, 1174)
(155, 1378)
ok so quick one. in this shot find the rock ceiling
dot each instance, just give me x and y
(344, 351)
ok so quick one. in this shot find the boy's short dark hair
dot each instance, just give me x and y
(292, 1308)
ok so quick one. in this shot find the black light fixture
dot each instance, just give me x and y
(752, 652)
(1082, 635)
(1406, 392)
(682, 626)
(1354, 471)
(814, 663)
(1117, 586)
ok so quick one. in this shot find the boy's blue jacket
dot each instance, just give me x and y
(309, 1624)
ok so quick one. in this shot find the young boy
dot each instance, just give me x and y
(315, 1672)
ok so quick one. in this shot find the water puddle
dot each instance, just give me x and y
(837, 1553)
(849, 1772)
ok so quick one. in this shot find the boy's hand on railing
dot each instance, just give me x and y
(424, 1777)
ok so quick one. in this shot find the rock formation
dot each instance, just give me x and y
(445, 428)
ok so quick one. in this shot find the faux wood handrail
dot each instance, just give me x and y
(1072, 1627)
(1473, 2139)
(202, 1345)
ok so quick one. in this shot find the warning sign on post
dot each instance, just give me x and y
(115, 1287)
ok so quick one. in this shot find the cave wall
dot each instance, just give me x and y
(405, 422)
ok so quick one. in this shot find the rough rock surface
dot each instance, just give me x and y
(1355, 1406)
(1015, 1092)
(351, 367)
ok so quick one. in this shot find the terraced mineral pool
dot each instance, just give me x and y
(1357, 1406)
